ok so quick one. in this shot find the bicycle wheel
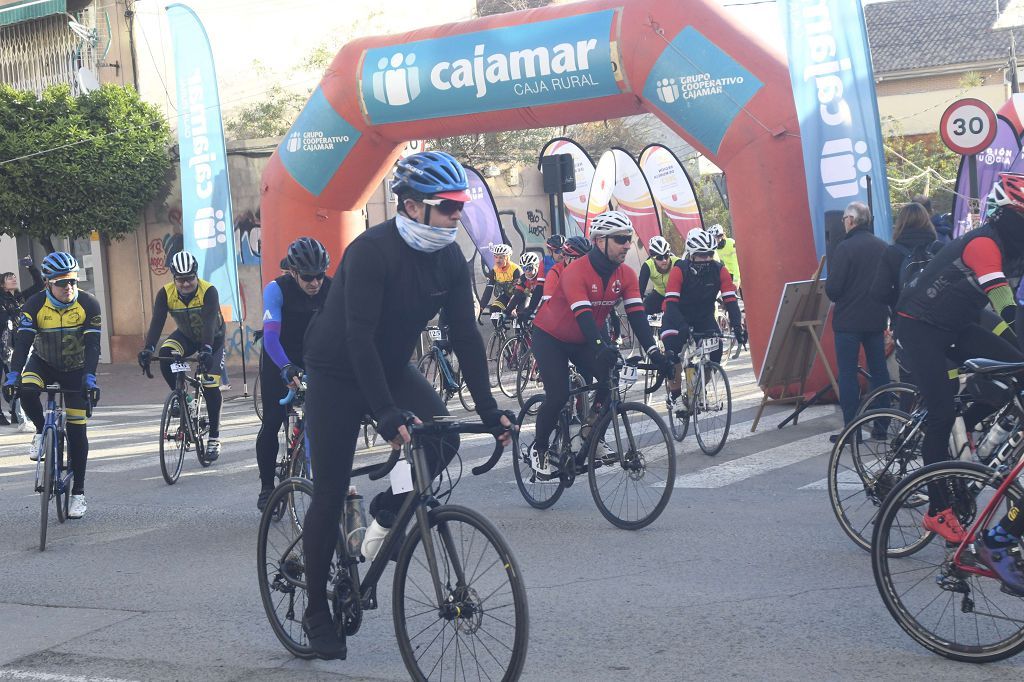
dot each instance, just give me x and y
(369, 433)
(47, 452)
(540, 490)
(62, 487)
(711, 408)
(873, 453)
(944, 607)
(428, 367)
(895, 395)
(172, 440)
(678, 424)
(257, 397)
(632, 479)
(528, 382)
(465, 397)
(481, 627)
(509, 359)
(493, 352)
(280, 564)
(199, 428)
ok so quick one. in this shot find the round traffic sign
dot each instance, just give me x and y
(968, 126)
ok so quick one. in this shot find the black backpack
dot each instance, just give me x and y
(915, 261)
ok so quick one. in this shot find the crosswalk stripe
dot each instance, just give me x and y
(758, 463)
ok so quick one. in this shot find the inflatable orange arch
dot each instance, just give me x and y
(685, 62)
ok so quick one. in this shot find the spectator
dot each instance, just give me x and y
(912, 232)
(942, 223)
(858, 320)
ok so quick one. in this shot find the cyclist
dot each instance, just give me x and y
(937, 316)
(573, 248)
(393, 279)
(11, 300)
(288, 304)
(571, 325)
(501, 280)
(529, 287)
(690, 296)
(725, 253)
(656, 270)
(554, 246)
(61, 326)
(194, 304)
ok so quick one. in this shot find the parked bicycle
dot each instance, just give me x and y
(54, 479)
(627, 454)
(184, 423)
(459, 600)
(441, 368)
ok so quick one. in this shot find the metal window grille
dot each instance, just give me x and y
(37, 54)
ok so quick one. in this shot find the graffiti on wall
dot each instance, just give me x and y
(160, 250)
(235, 346)
(539, 227)
(248, 241)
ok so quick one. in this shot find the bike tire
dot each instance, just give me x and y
(635, 465)
(281, 576)
(200, 428)
(47, 452)
(711, 414)
(539, 494)
(528, 382)
(679, 426)
(429, 368)
(370, 434)
(257, 396)
(493, 348)
(863, 471)
(917, 600)
(468, 598)
(62, 489)
(509, 358)
(896, 395)
(172, 458)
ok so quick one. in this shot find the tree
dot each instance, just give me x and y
(70, 165)
(919, 165)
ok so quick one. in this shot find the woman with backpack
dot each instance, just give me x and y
(914, 242)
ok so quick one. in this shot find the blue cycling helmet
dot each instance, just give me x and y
(431, 174)
(58, 263)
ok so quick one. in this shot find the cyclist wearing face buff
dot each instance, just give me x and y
(393, 279)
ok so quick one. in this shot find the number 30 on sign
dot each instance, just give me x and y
(968, 126)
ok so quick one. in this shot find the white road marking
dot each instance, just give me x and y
(53, 677)
(758, 463)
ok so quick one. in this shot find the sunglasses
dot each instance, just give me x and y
(622, 238)
(661, 257)
(185, 280)
(64, 283)
(445, 206)
(312, 278)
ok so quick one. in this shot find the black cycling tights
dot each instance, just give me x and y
(272, 389)
(927, 349)
(334, 412)
(78, 441)
(553, 358)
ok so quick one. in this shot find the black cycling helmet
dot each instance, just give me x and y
(577, 247)
(555, 241)
(307, 256)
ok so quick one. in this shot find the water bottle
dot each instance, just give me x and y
(576, 442)
(355, 522)
(995, 437)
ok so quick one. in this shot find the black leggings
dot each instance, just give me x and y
(272, 389)
(553, 357)
(652, 302)
(334, 412)
(34, 378)
(928, 348)
(177, 342)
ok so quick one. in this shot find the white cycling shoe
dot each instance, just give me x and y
(37, 444)
(76, 509)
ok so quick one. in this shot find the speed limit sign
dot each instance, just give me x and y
(968, 126)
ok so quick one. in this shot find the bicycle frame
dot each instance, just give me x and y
(55, 420)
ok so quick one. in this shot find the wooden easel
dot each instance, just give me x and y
(797, 348)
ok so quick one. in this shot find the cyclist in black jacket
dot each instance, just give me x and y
(394, 278)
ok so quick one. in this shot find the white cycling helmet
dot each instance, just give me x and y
(529, 261)
(659, 246)
(699, 241)
(716, 231)
(610, 224)
(501, 249)
(183, 263)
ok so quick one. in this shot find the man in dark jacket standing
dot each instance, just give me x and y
(859, 319)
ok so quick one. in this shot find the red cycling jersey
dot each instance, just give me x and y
(580, 289)
(551, 280)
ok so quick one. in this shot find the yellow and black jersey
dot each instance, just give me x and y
(197, 317)
(501, 282)
(66, 339)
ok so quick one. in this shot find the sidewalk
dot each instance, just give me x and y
(125, 384)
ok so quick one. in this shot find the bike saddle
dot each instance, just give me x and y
(986, 366)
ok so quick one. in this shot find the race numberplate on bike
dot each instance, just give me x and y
(179, 367)
(628, 374)
(435, 334)
(401, 477)
(708, 345)
(495, 316)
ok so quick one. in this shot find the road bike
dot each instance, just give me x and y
(441, 368)
(184, 423)
(512, 355)
(941, 594)
(54, 479)
(626, 452)
(459, 602)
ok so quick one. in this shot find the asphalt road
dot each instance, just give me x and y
(745, 576)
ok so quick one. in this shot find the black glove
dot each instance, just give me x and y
(492, 418)
(204, 357)
(145, 356)
(289, 372)
(605, 354)
(664, 365)
(90, 391)
(389, 419)
(741, 335)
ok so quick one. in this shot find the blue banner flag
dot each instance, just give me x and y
(834, 91)
(205, 188)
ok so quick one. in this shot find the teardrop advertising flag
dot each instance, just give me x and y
(480, 216)
(1000, 156)
(601, 188)
(575, 201)
(633, 196)
(671, 187)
